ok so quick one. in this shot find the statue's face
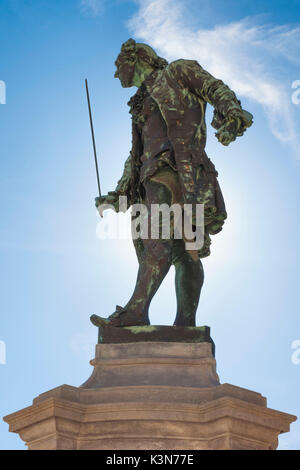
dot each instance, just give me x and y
(125, 69)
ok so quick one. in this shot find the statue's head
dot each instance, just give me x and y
(135, 56)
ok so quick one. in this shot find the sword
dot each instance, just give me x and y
(93, 135)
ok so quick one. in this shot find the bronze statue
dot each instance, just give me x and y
(168, 164)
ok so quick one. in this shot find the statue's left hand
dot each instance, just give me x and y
(229, 131)
(235, 124)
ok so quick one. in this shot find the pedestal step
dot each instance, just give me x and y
(150, 395)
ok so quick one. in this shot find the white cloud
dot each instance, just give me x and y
(243, 54)
(92, 7)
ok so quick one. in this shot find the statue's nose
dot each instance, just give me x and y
(116, 74)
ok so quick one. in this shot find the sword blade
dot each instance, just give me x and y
(93, 135)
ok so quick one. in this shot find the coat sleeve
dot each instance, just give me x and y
(191, 76)
(123, 186)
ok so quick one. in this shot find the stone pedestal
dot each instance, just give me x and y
(156, 395)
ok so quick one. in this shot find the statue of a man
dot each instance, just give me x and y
(168, 164)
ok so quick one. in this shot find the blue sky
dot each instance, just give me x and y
(56, 272)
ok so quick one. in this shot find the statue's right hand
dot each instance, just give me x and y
(105, 202)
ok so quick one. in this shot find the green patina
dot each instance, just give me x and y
(142, 329)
